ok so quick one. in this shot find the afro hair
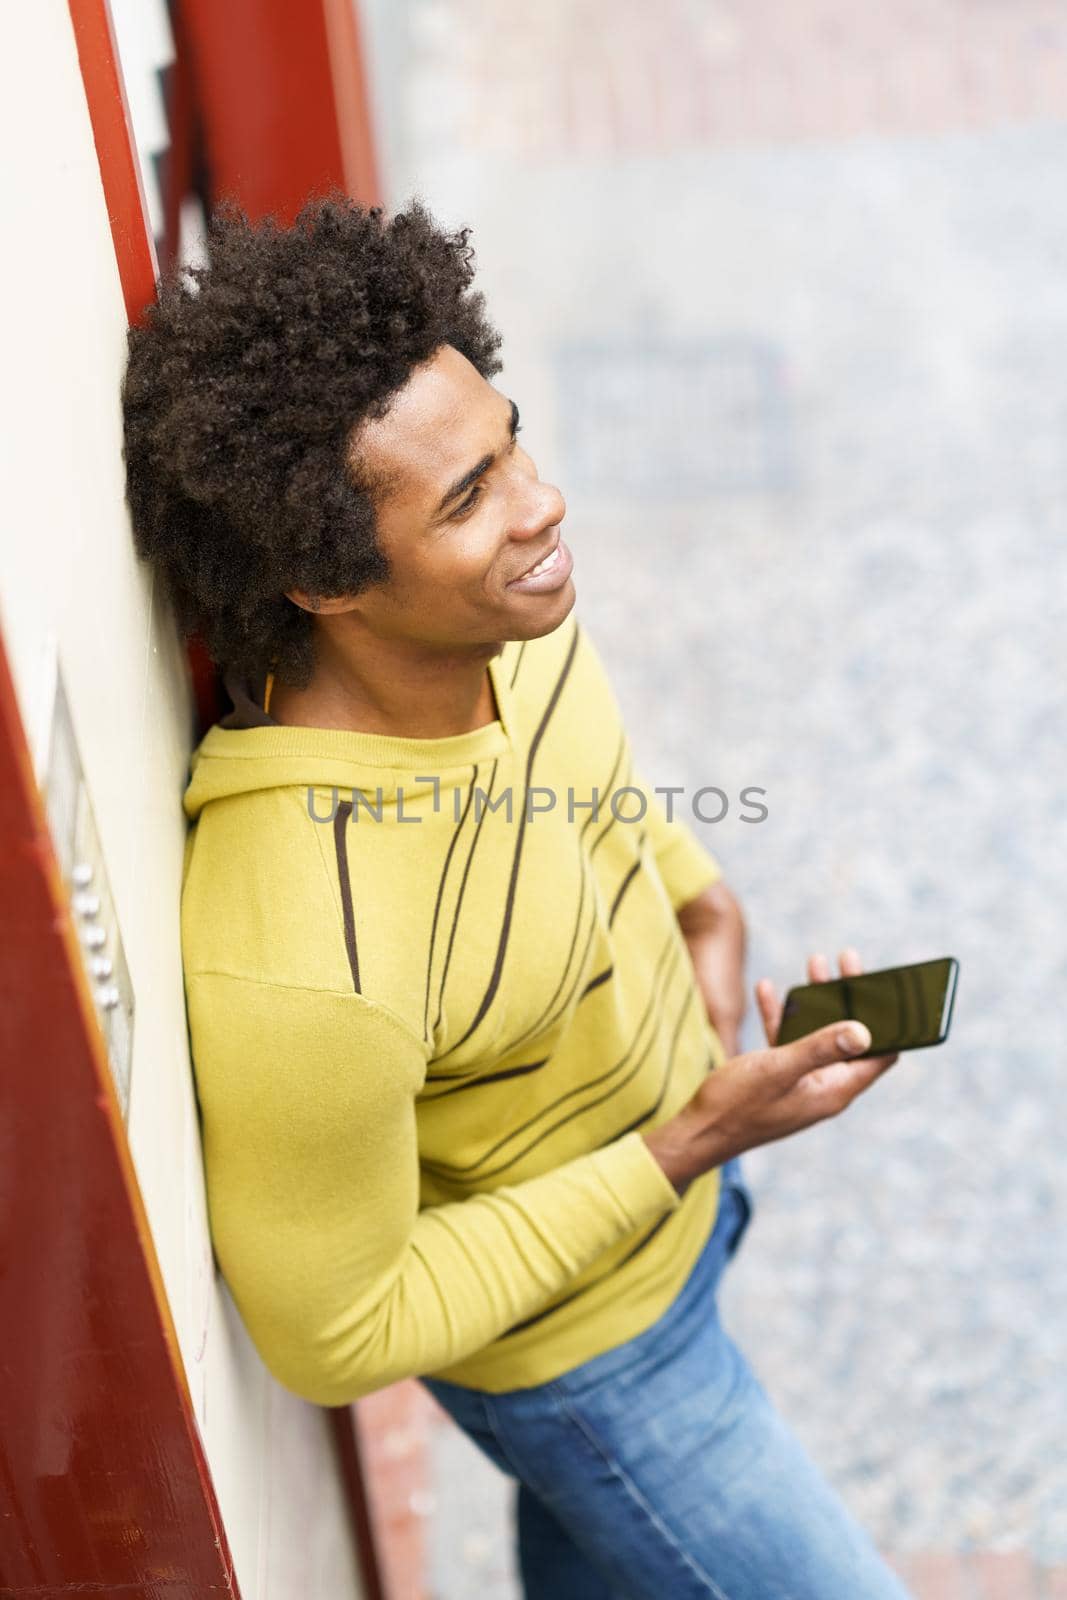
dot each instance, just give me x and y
(243, 387)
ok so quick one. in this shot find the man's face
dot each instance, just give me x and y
(462, 515)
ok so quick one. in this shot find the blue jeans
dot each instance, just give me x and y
(661, 1471)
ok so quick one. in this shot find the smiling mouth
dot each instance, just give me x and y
(544, 565)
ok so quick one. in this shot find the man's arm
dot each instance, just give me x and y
(708, 913)
(714, 930)
(311, 1154)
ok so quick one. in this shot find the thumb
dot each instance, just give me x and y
(838, 1041)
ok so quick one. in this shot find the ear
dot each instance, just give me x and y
(314, 602)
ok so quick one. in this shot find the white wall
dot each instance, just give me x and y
(68, 571)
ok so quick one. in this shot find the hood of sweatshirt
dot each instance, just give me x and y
(248, 751)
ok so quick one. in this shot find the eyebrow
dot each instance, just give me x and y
(464, 483)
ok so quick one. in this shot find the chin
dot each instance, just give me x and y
(553, 610)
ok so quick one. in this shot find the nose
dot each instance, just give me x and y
(544, 507)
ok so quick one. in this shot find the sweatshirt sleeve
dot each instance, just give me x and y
(307, 1100)
(687, 869)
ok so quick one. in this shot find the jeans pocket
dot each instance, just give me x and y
(736, 1194)
(469, 1410)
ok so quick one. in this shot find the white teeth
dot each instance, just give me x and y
(542, 566)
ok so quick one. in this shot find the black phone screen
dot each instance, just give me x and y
(906, 1008)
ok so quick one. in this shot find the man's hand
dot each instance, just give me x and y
(714, 930)
(768, 1094)
(818, 972)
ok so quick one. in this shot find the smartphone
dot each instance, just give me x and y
(906, 1008)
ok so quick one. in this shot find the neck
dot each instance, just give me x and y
(399, 688)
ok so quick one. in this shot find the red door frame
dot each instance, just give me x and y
(104, 1482)
(104, 1479)
(280, 91)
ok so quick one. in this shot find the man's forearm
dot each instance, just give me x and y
(717, 908)
(714, 929)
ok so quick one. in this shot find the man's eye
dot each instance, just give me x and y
(475, 494)
(468, 504)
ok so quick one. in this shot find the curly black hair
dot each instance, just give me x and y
(242, 390)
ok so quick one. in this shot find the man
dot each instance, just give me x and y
(463, 1001)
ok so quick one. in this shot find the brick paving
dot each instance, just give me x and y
(394, 1427)
(576, 78)
(1010, 1575)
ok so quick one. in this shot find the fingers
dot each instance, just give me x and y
(822, 1067)
(838, 1041)
(848, 961)
(828, 1090)
(770, 1009)
(770, 1006)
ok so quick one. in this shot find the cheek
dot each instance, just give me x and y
(470, 559)
(455, 561)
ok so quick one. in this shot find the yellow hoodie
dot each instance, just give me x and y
(432, 998)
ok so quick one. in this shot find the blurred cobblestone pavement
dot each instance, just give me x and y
(784, 296)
